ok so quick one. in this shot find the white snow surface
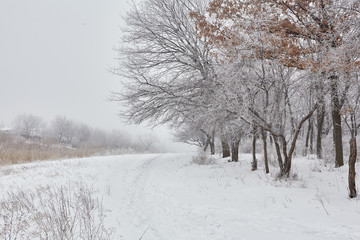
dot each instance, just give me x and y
(167, 197)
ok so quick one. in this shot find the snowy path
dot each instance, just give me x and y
(166, 197)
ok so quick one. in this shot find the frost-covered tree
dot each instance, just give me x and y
(350, 114)
(168, 71)
(81, 133)
(146, 142)
(269, 96)
(190, 134)
(313, 36)
(63, 129)
(29, 126)
(241, 67)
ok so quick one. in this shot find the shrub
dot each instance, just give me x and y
(202, 158)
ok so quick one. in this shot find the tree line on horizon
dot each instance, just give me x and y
(32, 133)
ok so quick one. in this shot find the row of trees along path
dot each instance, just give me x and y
(259, 68)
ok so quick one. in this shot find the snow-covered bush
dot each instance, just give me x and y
(202, 158)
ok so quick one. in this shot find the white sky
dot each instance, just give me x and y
(54, 60)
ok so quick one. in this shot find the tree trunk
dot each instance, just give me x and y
(352, 160)
(287, 158)
(206, 144)
(235, 150)
(212, 147)
(212, 142)
(263, 135)
(225, 148)
(285, 166)
(254, 161)
(312, 138)
(278, 153)
(335, 111)
(307, 138)
(320, 124)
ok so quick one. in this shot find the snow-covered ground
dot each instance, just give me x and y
(167, 197)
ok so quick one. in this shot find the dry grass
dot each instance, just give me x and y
(14, 150)
(66, 212)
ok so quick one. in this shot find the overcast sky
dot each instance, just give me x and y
(54, 60)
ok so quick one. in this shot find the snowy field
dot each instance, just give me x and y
(167, 197)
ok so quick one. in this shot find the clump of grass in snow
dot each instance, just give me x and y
(53, 213)
(292, 180)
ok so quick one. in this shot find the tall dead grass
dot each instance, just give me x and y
(54, 213)
(14, 150)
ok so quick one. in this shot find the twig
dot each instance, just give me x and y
(322, 203)
(144, 233)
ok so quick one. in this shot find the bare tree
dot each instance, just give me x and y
(267, 106)
(168, 70)
(190, 135)
(146, 142)
(63, 129)
(350, 115)
(29, 126)
(82, 133)
(118, 140)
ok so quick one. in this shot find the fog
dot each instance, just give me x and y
(55, 60)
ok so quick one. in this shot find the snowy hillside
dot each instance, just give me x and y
(167, 196)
